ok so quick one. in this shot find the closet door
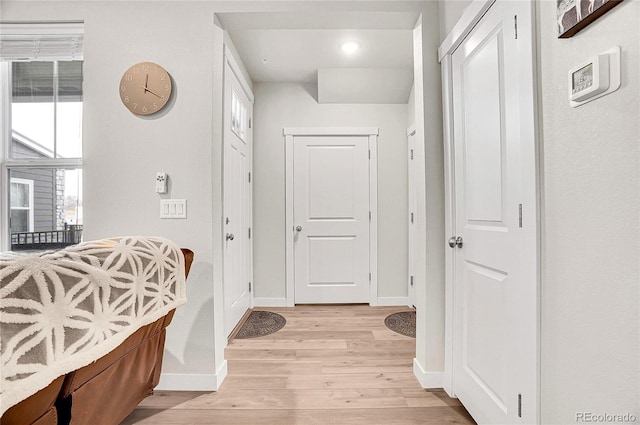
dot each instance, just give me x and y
(495, 312)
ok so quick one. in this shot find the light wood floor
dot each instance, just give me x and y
(328, 365)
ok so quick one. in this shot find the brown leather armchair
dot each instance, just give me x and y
(103, 392)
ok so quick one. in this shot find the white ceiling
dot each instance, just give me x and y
(296, 45)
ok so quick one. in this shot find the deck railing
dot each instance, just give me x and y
(51, 239)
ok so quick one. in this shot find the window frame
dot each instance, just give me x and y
(238, 117)
(30, 208)
(7, 163)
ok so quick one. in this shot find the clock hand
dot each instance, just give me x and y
(146, 81)
(152, 92)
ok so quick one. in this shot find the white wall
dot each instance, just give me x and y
(590, 192)
(429, 360)
(590, 271)
(449, 12)
(280, 105)
(122, 152)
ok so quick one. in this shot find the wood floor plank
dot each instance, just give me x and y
(237, 353)
(171, 399)
(253, 382)
(286, 399)
(321, 334)
(356, 380)
(366, 365)
(374, 344)
(273, 367)
(308, 344)
(386, 334)
(390, 416)
(389, 353)
(208, 417)
(329, 365)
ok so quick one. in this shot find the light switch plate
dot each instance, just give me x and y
(173, 208)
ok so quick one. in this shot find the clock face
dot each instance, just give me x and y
(145, 88)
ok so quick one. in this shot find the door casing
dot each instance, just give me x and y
(289, 137)
(412, 177)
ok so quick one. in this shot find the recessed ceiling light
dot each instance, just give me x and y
(349, 47)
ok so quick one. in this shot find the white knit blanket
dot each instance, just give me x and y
(61, 310)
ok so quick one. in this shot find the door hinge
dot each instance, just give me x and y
(411, 153)
(369, 153)
(249, 122)
(249, 232)
(411, 281)
(515, 25)
(249, 286)
(249, 177)
(369, 277)
(411, 217)
(520, 215)
(519, 405)
(369, 215)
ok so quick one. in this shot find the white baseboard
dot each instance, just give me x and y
(282, 302)
(192, 381)
(427, 379)
(269, 302)
(393, 301)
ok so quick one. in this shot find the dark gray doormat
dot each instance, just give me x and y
(261, 323)
(403, 323)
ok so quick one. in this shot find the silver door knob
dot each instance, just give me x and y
(298, 228)
(229, 236)
(455, 241)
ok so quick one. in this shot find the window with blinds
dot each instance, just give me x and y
(41, 71)
(19, 42)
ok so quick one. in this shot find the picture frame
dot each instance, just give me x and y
(574, 15)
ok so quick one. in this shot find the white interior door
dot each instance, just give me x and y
(413, 208)
(331, 219)
(237, 200)
(494, 337)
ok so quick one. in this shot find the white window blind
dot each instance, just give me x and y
(42, 41)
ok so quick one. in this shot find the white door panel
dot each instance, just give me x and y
(485, 319)
(331, 209)
(237, 201)
(329, 168)
(484, 138)
(489, 283)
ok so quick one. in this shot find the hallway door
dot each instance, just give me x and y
(237, 251)
(331, 218)
(494, 325)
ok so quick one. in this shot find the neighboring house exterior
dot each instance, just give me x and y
(37, 205)
(46, 203)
